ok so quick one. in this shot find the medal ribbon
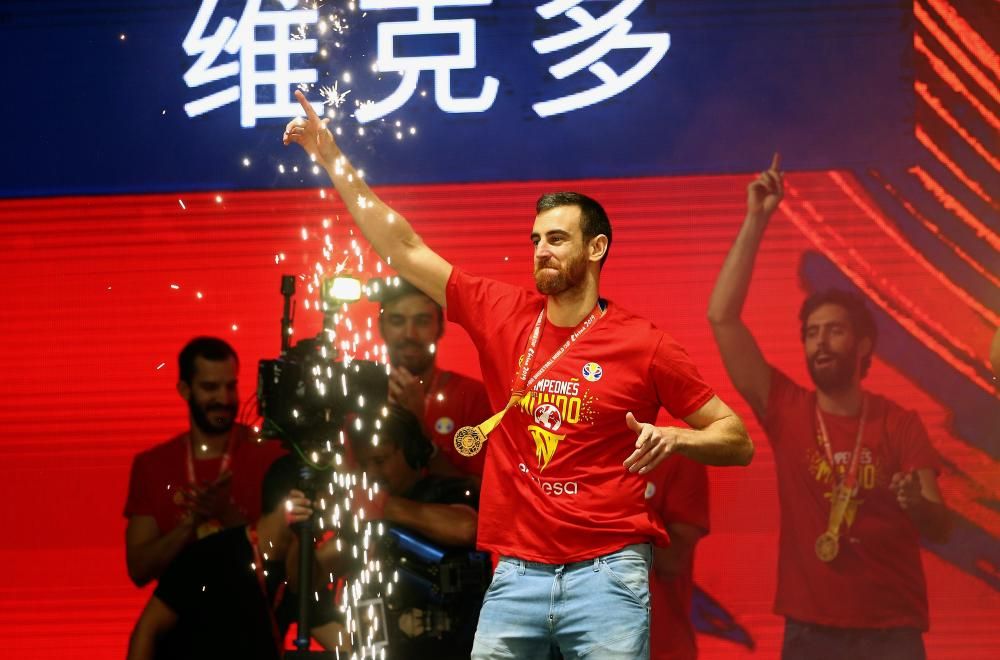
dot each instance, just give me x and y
(209, 526)
(227, 457)
(522, 383)
(843, 491)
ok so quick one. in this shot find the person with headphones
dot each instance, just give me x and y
(434, 608)
(442, 509)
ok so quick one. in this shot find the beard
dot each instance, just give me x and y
(209, 423)
(835, 376)
(560, 279)
(417, 360)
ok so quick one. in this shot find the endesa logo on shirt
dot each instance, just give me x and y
(554, 488)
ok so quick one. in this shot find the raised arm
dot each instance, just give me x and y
(389, 233)
(749, 371)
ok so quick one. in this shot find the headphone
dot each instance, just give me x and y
(405, 429)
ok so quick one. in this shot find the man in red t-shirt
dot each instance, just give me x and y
(856, 473)
(678, 492)
(202, 480)
(411, 325)
(562, 498)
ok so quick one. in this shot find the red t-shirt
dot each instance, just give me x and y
(554, 488)
(160, 472)
(456, 401)
(876, 580)
(678, 492)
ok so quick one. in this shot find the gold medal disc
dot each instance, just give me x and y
(827, 547)
(469, 441)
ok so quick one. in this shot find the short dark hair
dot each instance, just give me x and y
(400, 428)
(209, 348)
(862, 321)
(593, 219)
(281, 477)
(391, 291)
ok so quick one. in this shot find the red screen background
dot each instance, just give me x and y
(100, 293)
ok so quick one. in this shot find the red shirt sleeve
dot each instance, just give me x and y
(472, 301)
(140, 501)
(784, 394)
(679, 387)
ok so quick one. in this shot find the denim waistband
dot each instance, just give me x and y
(643, 549)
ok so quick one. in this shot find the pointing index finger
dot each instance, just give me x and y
(310, 113)
(775, 160)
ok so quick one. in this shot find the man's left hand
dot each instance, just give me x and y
(652, 445)
(907, 489)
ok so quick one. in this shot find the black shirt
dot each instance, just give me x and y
(440, 589)
(221, 610)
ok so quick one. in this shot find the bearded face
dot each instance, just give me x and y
(553, 277)
(833, 371)
(212, 418)
(411, 328)
(560, 258)
(212, 396)
(832, 349)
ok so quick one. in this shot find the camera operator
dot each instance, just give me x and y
(442, 511)
(224, 596)
(203, 480)
(411, 324)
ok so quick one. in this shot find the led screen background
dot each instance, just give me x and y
(100, 291)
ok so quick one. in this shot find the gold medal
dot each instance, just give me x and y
(469, 441)
(828, 544)
(827, 547)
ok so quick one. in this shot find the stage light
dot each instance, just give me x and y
(341, 289)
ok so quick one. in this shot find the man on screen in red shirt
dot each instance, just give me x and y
(411, 325)
(856, 472)
(678, 492)
(571, 374)
(203, 480)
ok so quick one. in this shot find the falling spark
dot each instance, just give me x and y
(332, 95)
(181, 202)
(161, 365)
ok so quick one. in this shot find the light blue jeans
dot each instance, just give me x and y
(596, 609)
